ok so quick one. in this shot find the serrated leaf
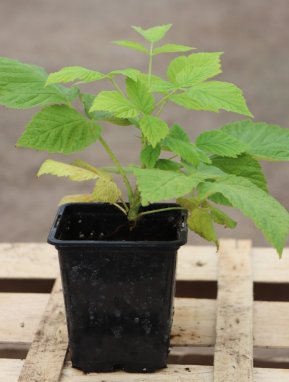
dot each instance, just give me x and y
(87, 100)
(22, 86)
(179, 143)
(114, 102)
(74, 73)
(78, 198)
(153, 34)
(129, 72)
(189, 70)
(155, 185)
(78, 174)
(138, 93)
(264, 141)
(183, 100)
(265, 211)
(153, 128)
(149, 155)
(201, 222)
(168, 164)
(244, 166)
(59, 129)
(220, 143)
(221, 218)
(216, 95)
(171, 48)
(132, 45)
(106, 191)
(157, 84)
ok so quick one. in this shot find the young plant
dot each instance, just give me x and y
(220, 168)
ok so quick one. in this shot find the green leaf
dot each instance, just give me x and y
(221, 218)
(179, 143)
(138, 93)
(264, 141)
(116, 103)
(216, 95)
(129, 72)
(244, 166)
(73, 73)
(59, 129)
(78, 174)
(153, 128)
(201, 222)
(157, 84)
(183, 100)
(153, 34)
(22, 86)
(87, 101)
(267, 214)
(168, 164)
(171, 48)
(149, 155)
(220, 143)
(190, 70)
(155, 185)
(132, 45)
(106, 191)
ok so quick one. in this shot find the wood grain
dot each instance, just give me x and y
(233, 357)
(46, 355)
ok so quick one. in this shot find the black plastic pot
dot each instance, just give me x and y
(118, 292)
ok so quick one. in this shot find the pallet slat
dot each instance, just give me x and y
(39, 261)
(10, 370)
(194, 321)
(46, 355)
(233, 357)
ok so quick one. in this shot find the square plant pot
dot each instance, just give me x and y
(118, 284)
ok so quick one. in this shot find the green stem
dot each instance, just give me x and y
(120, 208)
(160, 210)
(116, 86)
(119, 167)
(150, 64)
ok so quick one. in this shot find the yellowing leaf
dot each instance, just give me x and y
(200, 221)
(78, 198)
(106, 191)
(78, 174)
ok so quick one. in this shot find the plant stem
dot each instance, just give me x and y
(160, 210)
(116, 86)
(119, 167)
(120, 208)
(150, 64)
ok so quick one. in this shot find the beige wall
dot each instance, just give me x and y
(253, 34)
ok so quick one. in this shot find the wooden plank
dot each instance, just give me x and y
(20, 317)
(10, 370)
(45, 358)
(194, 321)
(28, 261)
(195, 263)
(233, 357)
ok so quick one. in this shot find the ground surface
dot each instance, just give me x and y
(253, 34)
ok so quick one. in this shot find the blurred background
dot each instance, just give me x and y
(253, 34)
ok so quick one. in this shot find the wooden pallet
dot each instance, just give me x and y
(32, 322)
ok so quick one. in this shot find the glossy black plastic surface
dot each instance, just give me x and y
(118, 295)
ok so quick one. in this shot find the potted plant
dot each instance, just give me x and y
(118, 253)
